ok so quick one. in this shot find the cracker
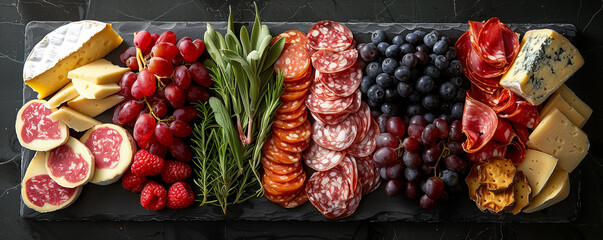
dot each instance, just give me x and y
(496, 203)
(522, 192)
(472, 182)
(497, 174)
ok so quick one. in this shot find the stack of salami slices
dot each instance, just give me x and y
(284, 176)
(343, 133)
(495, 120)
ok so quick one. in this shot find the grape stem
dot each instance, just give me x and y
(153, 114)
(445, 152)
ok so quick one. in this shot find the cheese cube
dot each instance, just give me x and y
(94, 107)
(570, 97)
(65, 94)
(74, 119)
(93, 91)
(545, 61)
(557, 102)
(98, 72)
(557, 136)
(538, 167)
(555, 190)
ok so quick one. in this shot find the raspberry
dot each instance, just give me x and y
(180, 195)
(175, 171)
(147, 164)
(153, 196)
(133, 182)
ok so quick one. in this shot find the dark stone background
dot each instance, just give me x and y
(587, 16)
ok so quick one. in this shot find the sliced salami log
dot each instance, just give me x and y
(326, 61)
(290, 124)
(363, 118)
(288, 96)
(292, 147)
(288, 187)
(291, 110)
(342, 83)
(491, 149)
(298, 199)
(283, 178)
(491, 43)
(335, 137)
(330, 35)
(279, 168)
(366, 173)
(294, 61)
(330, 119)
(523, 113)
(294, 135)
(329, 192)
(322, 159)
(479, 124)
(367, 145)
(318, 105)
(292, 36)
(274, 153)
(504, 132)
(349, 169)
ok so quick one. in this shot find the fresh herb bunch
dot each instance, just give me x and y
(247, 96)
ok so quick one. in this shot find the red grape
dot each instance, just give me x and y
(456, 130)
(182, 77)
(163, 133)
(186, 113)
(434, 187)
(126, 82)
(410, 144)
(411, 159)
(411, 190)
(143, 129)
(167, 36)
(195, 93)
(412, 175)
(387, 140)
(116, 113)
(188, 50)
(385, 156)
(382, 121)
(165, 50)
(426, 169)
(430, 134)
(173, 93)
(415, 131)
(158, 149)
(200, 74)
(178, 60)
(146, 83)
(394, 171)
(431, 154)
(132, 63)
(180, 150)
(161, 67)
(179, 103)
(200, 46)
(454, 162)
(129, 110)
(183, 39)
(136, 90)
(393, 187)
(418, 119)
(142, 40)
(147, 143)
(154, 38)
(181, 128)
(159, 109)
(129, 52)
(395, 126)
(455, 147)
(442, 127)
(426, 203)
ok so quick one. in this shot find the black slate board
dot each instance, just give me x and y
(117, 204)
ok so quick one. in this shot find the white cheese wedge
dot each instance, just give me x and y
(64, 49)
(39, 192)
(94, 107)
(65, 94)
(36, 130)
(74, 119)
(113, 148)
(93, 91)
(538, 167)
(555, 190)
(98, 72)
(576, 103)
(545, 61)
(71, 164)
(558, 136)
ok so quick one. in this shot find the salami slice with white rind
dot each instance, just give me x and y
(330, 35)
(326, 61)
(342, 83)
(322, 159)
(367, 145)
(35, 129)
(71, 164)
(335, 137)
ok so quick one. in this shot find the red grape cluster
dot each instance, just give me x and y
(424, 160)
(156, 97)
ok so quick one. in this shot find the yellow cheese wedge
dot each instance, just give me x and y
(555, 190)
(65, 94)
(557, 102)
(558, 136)
(94, 107)
(98, 72)
(576, 103)
(74, 119)
(64, 49)
(93, 91)
(538, 167)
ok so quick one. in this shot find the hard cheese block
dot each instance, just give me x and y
(576, 103)
(546, 60)
(98, 72)
(538, 167)
(65, 49)
(74, 119)
(94, 107)
(555, 190)
(94, 91)
(556, 135)
(65, 94)
(557, 102)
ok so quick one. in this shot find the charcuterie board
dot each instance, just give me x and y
(112, 202)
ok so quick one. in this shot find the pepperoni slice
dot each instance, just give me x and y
(491, 43)
(288, 96)
(326, 61)
(504, 132)
(479, 124)
(272, 152)
(298, 199)
(290, 124)
(282, 198)
(524, 113)
(291, 110)
(330, 35)
(322, 159)
(292, 147)
(289, 187)
(499, 100)
(367, 145)
(490, 150)
(512, 44)
(482, 68)
(335, 137)
(294, 135)
(294, 61)
(342, 83)
(474, 29)
(292, 36)
(330, 119)
(463, 46)
(522, 132)
(283, 178)
(279, 168)
(328, 192)
(366, 173)
(316, 104)
(303, 83)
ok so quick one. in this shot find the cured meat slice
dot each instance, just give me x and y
(283, 178)
(274, 153)
(463, 46)
(277, 198)
(300, 84)
(366, 173)
(330, 119)
(288, 96)
(294, 61)
(35, 129)
(291, 147)
(499, 100)
(290, 124)
(326, 61)
(512, 44)
(504, 132)
(473, 33)
(298, 199)
(522, 132)
(516, 151)
(322, 159)
(352, 203)
(279, 168)
(479, 124)
(71, 164)
(363, 119)
(291, 36)
(320, 91)
(39, 192)
(294, 135)
(329, 192)
(356, 103)
(318, 105)
(289, 187)
(342, 83)
(291, 110)
(482, 68)
(335, 137)
(349, 169)
(330, 35)
(490, 150)
(523, 113)
(368, 144)
(491, 43)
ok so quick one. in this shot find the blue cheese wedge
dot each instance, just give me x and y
(545, 61)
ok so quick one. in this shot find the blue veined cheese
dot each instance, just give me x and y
(545, 61)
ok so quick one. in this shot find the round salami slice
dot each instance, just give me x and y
(274, 153)
(479, 124)
(294, 135)
(356, 102)
(316, 104)
(330, 119)
(363, 116)
(35, 129)
(367, 145)
(491, 43)
(291, 36)
(349, 169)
(290, 124)
(279, 168)
(298, 199)
(289, 187)
(490, 150)
(342, 83)
(473, 33)
(283, 178)
(335, 137)
(366, 173)
(292, 147)
(330, 35)
(291, 110)
(294, 61)
(282, 198)
(504, 132)
(288, 96)
(329, 192)
(71, 164)
(352, 203)
(322, 159)
(303, 83)
(320, 91)
(326, 61)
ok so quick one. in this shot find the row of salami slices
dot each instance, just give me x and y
(63, 164)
